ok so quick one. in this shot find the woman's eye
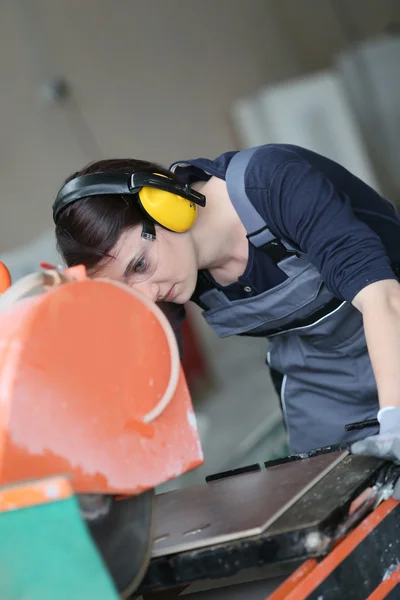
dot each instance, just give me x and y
(140, 266)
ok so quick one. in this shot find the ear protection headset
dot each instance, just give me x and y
(163, 200)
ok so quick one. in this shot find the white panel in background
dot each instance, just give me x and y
(312, 112)
(371, 77)
(26, 259)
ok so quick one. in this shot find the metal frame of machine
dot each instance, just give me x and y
(341, 539)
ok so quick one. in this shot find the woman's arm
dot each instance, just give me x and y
(379, 304)
(304, 207)
(380, 307)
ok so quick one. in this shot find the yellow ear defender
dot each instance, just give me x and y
(168, 203)
(172, 211)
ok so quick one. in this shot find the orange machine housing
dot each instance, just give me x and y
(80, 366)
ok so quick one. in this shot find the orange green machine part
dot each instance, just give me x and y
(93, 403)
(46, 551)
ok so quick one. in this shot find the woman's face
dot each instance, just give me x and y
(164, 269)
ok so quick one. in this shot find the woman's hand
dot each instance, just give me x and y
(386, 444)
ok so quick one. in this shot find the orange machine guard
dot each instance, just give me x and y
(5, 278)
(80, 367)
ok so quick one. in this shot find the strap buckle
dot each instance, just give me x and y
(277, 251)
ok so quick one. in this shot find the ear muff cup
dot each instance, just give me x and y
(168, 210)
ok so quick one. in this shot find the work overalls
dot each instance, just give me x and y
(316, 341)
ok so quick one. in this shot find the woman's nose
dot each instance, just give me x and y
(149, 289)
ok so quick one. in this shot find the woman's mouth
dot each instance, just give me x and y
(169, 297)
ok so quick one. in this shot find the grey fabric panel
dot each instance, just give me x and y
(215, 298)
(275, 307)
(250, 217)
(315, 417)
(292, 264)
(264, 237)
(328, 380)
(235, 182)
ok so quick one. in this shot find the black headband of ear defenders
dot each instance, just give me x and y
(100, 184)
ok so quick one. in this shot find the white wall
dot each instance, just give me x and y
(152, 79)
(319, 29)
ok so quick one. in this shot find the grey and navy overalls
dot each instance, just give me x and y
(316, 341)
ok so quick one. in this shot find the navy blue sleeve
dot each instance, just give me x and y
(301, 205)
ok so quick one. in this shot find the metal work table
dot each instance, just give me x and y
(270, 517)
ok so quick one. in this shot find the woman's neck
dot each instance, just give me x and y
(219, 235)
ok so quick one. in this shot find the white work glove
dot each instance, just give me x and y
(386, 444)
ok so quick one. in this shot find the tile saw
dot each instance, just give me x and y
(95, 413)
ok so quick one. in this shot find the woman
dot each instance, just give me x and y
(289, 246)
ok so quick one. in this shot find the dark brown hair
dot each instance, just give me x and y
(87, 230)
